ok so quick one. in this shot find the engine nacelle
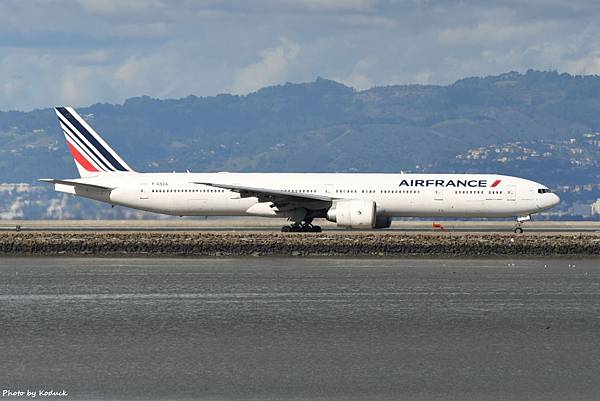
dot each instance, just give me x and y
(353, 213)
(383, 222)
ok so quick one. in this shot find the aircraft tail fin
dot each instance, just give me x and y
(91, 153)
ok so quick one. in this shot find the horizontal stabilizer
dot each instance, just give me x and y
(77, 184)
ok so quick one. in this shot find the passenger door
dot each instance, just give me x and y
(511, 193)
(144, 190)
(439, 195)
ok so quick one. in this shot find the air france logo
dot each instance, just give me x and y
(449, 183)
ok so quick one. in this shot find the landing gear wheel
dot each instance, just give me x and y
(301, 228)
(520, 220)
(294, 228)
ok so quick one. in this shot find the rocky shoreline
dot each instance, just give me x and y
(334, 244)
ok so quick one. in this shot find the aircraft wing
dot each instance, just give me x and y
(269, 195)
(79, 184)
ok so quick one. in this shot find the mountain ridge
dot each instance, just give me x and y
(514, 123)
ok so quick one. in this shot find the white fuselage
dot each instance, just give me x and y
(395, 195)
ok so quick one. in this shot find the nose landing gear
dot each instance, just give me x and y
(520, 220)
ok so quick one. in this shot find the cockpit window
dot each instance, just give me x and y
(544, 191)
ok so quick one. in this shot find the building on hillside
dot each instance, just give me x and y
(596, 208)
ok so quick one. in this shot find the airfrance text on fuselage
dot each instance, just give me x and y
(444, 183)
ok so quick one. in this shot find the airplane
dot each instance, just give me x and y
(351, 200)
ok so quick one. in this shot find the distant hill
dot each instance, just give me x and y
(540, 125)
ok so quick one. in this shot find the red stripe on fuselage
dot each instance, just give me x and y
(79, 158)
(495, 184)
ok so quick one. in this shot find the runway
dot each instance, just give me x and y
(274, 225)
(262, 237)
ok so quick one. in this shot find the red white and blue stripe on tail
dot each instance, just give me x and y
(92, 155)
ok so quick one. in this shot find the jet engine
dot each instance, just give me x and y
(383, 222)
(353, 213)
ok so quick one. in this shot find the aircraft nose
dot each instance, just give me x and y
(547, 201)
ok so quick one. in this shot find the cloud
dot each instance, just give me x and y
(12, 87)
(490, 32)
(108, 50)
(584, 66)
(358, 78)
(121, 8)
(587, 61)
(337, 5)
(271, 68)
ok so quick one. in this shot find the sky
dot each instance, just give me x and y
(69, 52)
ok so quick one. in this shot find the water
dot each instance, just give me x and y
(301, 329)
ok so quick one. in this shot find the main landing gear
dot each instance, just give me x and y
(520, 220)
(302, 227)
